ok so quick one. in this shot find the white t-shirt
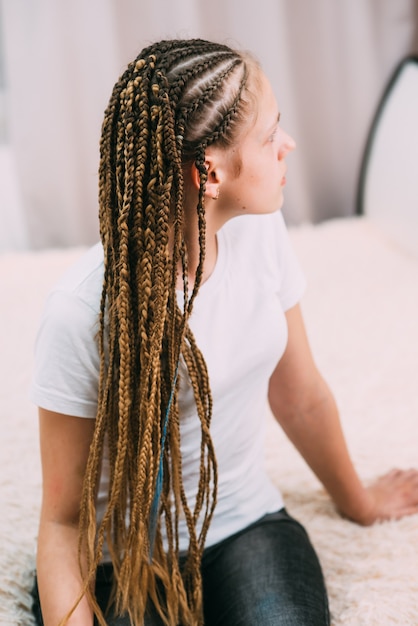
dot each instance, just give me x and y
(239, 324)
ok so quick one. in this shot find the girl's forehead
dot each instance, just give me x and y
(267, 111)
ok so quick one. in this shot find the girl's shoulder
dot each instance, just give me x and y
(259, 239)
(83, 281)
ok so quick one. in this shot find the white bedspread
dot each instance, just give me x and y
(361, 310)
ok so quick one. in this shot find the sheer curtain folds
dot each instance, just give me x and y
(328, 62)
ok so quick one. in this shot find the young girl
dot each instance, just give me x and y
(155, 359)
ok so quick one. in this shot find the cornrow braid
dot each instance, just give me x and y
(173, 101)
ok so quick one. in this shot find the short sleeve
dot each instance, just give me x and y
(67, 362)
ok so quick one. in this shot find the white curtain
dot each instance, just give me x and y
(328, 61)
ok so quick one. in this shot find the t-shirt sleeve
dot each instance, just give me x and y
(292, 278)
(67, 362)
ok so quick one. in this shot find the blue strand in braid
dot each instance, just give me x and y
(159, 482)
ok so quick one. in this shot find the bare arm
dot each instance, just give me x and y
(65, 442)
(305, 408)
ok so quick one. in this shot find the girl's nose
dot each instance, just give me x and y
(286, 145)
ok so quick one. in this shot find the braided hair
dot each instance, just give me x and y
(172, 102)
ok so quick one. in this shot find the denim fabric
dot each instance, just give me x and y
(266, 575)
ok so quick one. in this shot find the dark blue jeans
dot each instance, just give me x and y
(266, 575)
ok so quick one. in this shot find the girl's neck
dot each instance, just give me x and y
(193, 255)
(214, 220)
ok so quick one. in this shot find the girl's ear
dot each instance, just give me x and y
(215, 175)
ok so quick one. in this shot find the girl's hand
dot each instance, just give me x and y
(392, 496)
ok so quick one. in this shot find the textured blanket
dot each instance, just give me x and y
(361, 310)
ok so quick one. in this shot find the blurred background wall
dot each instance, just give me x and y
(328, 61)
